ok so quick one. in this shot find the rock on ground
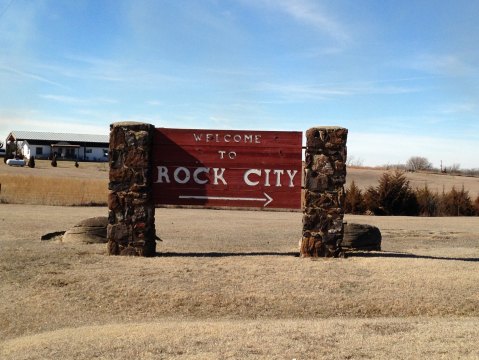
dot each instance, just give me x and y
(88, 231)
(361, 237)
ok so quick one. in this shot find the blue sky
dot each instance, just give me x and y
(402, 76)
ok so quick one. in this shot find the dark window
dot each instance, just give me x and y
(39, 151)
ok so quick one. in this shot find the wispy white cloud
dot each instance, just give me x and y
(85, 68)
(221, 122)
(455, 108)
(18, 28)
(4, 8)
(156, 120)
(296, 91)
(37, 121)
(29, 76)
(80, 122)
(78, 100)
(439, 64)
(309, 13)
(236, 72)
(318, 52)
(300, 91)
(206, 21)
(154, 103)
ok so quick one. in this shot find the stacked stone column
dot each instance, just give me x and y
(323, 203)
(131, 217)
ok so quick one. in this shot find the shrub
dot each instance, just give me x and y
(476, 206)
(456, 203)
(31, 162)
(54, 161)
(454, 169)
(9, 151)
(392, 196)
(428, 202)
(353, 161)
(416, 163)
(354, 200)
(471, 172)
(371, 201)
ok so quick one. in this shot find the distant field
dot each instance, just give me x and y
(65, 169)
(67, 185)
(365, 177)
(64, 185)
(229, 285)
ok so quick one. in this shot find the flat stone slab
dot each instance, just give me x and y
(361, 237)
(88, 231)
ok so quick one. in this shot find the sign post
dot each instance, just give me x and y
(209, 168)
(325, 176)
(131, 216)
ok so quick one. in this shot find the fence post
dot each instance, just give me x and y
(131, 217)
(323, 203)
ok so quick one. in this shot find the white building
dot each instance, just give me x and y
(43, 145)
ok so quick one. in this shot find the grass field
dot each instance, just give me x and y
(229, 285)
(66, 185)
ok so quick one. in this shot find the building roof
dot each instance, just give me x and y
(52, 137)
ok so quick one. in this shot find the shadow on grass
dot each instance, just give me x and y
(224, 254)
(399, 255)
(364, 254)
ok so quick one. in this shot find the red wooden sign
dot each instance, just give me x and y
(233, 168)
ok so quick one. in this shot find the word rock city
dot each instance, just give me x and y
(217, 176)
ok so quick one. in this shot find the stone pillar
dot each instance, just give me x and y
(131, 217)
(323, 203)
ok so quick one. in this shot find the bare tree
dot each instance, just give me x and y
(353, 161)
(417, 163)
(454, 168)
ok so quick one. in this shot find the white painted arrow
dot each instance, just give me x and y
(267, 200)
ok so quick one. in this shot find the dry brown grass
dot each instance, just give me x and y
(94, 178)
(261, 339)
(64, 185)
(65, 169)
(227, 284)
(366, 177)
(30, 189)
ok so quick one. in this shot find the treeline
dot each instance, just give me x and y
(394, 196)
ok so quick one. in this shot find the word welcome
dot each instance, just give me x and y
(228, 138)
(217, 176)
